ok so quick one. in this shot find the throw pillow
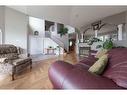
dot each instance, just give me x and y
(99, 66)
(101, 53)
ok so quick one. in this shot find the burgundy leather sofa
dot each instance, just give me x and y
(67, 76)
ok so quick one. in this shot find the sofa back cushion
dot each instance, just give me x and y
(8, 51)
(90, 60)
(5, 49)
(117, 66)
(10, 56)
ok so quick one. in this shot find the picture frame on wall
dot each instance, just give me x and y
(36, 33)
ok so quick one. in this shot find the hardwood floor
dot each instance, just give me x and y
(38, 77)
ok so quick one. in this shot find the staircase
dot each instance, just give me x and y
(61, 41)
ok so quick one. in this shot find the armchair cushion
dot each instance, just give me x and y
(20, 61)
(23, 56)
(10, 56)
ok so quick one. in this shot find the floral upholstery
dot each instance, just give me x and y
(20, 61)
(13, 63)
(5, 49)
(10, 56)
(8, 51)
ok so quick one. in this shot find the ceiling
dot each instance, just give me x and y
(77, 16)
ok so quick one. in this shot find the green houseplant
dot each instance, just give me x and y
(108, 44)
(63, 31)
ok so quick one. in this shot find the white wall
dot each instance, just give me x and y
(2, 19)
(120, 43)
(0, 36)
(36, 45)
(70, 29)
(16, 28)
(36, 42)
(59, 14)
(36, 24)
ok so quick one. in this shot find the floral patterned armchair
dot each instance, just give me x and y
(11, 60)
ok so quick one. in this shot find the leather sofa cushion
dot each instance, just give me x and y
(82, 79)
(67, 76)
(89, 61)
(117, 66)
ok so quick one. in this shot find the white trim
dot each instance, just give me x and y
(120, 30)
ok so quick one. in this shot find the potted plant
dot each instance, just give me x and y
(108, 44)
(50, 47)
(63, 31)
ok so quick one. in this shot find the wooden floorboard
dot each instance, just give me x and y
(38, 77)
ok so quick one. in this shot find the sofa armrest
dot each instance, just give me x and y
(4, 60)
(82, 79)
(57, 72)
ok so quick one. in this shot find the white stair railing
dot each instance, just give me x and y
(60, 43)
(56, 38)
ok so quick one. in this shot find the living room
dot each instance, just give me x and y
(63, 47)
